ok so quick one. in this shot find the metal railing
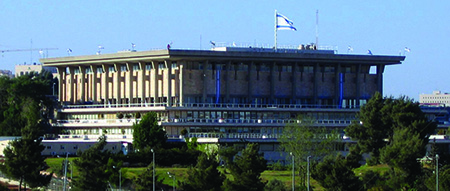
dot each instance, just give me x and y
(211, 105)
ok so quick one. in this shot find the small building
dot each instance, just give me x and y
(437, 98)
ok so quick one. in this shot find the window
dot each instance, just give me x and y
(75, 147)
(99, 69)
(76, 71)
(111, 69)
(88, 70)
(62, 147)
(174, 65)
(136, 67)
(49, 147)
(123, 68)
(161, 65)
(148, 66)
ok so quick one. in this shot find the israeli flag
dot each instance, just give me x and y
(283, 23)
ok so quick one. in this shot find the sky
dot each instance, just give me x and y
(385, 27)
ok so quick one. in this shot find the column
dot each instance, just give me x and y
(180, 84)
(142, 80)
(205, 80)
(272, 83)
(227, 83)
(249, 74)
(358, 85)
(129, 82)
(94, 83)
(71, 86)
(117, 83)
(82, 84)
(168, 79)
(61, 81)
(316, 86)
(380, 69)
(294, 84)
(155, 81)
(337, 87)
(105, 83)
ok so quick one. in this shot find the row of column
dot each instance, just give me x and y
(72, 86)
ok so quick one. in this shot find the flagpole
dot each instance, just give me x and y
(317, 29)
(276, 23)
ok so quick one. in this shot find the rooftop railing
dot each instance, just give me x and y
(209, 105)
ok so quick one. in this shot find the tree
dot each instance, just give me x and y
(304, 139)
(147, 133)
(334, 174)
(246, 170)
(23, 160)
(93, 168)
(380, 117)
(145, 180)
(395, 132)
(205, 175)
(275, 185)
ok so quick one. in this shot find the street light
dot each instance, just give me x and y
(293, 172)
(65, 171)
(173, 178)
(153, 169)
(120, 178)
(437, 172)
(308, 174)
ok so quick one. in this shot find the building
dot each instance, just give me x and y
(26, 69)
(6, 73)
(435, 99)
(223, 95)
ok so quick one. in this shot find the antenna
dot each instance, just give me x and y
(317, 28)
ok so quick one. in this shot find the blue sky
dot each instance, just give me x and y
(385, 27)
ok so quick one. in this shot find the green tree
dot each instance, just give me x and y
(303, 139)
(147, 133)
(275, 185)
(205, 175)
(145, 180)
(93, 168)
(23, 160)
(334, 174)
(246, 170)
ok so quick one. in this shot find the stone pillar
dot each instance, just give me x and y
(272, 83)
(105, 83)
(82, 84)
(180, 84)
(155, 81)
(129, 82)
(117, 83)
(61, 81)
(316, 86)
(141, 85)
(227, 83)
(337, 86)
(71, 85)
(358, 85)
(94, 84)
(205, 80)
(294, 83)
(168, 81)
(249, 82)
(380, 70)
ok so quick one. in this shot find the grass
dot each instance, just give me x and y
(181, 173)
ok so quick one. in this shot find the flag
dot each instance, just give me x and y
(369, 52)
(283, 23)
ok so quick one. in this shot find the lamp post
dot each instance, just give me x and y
(153, 169)
(120, 178)
(437, 172)
(65, 171)
(293, 172)
(173, 178)
(308, 174)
